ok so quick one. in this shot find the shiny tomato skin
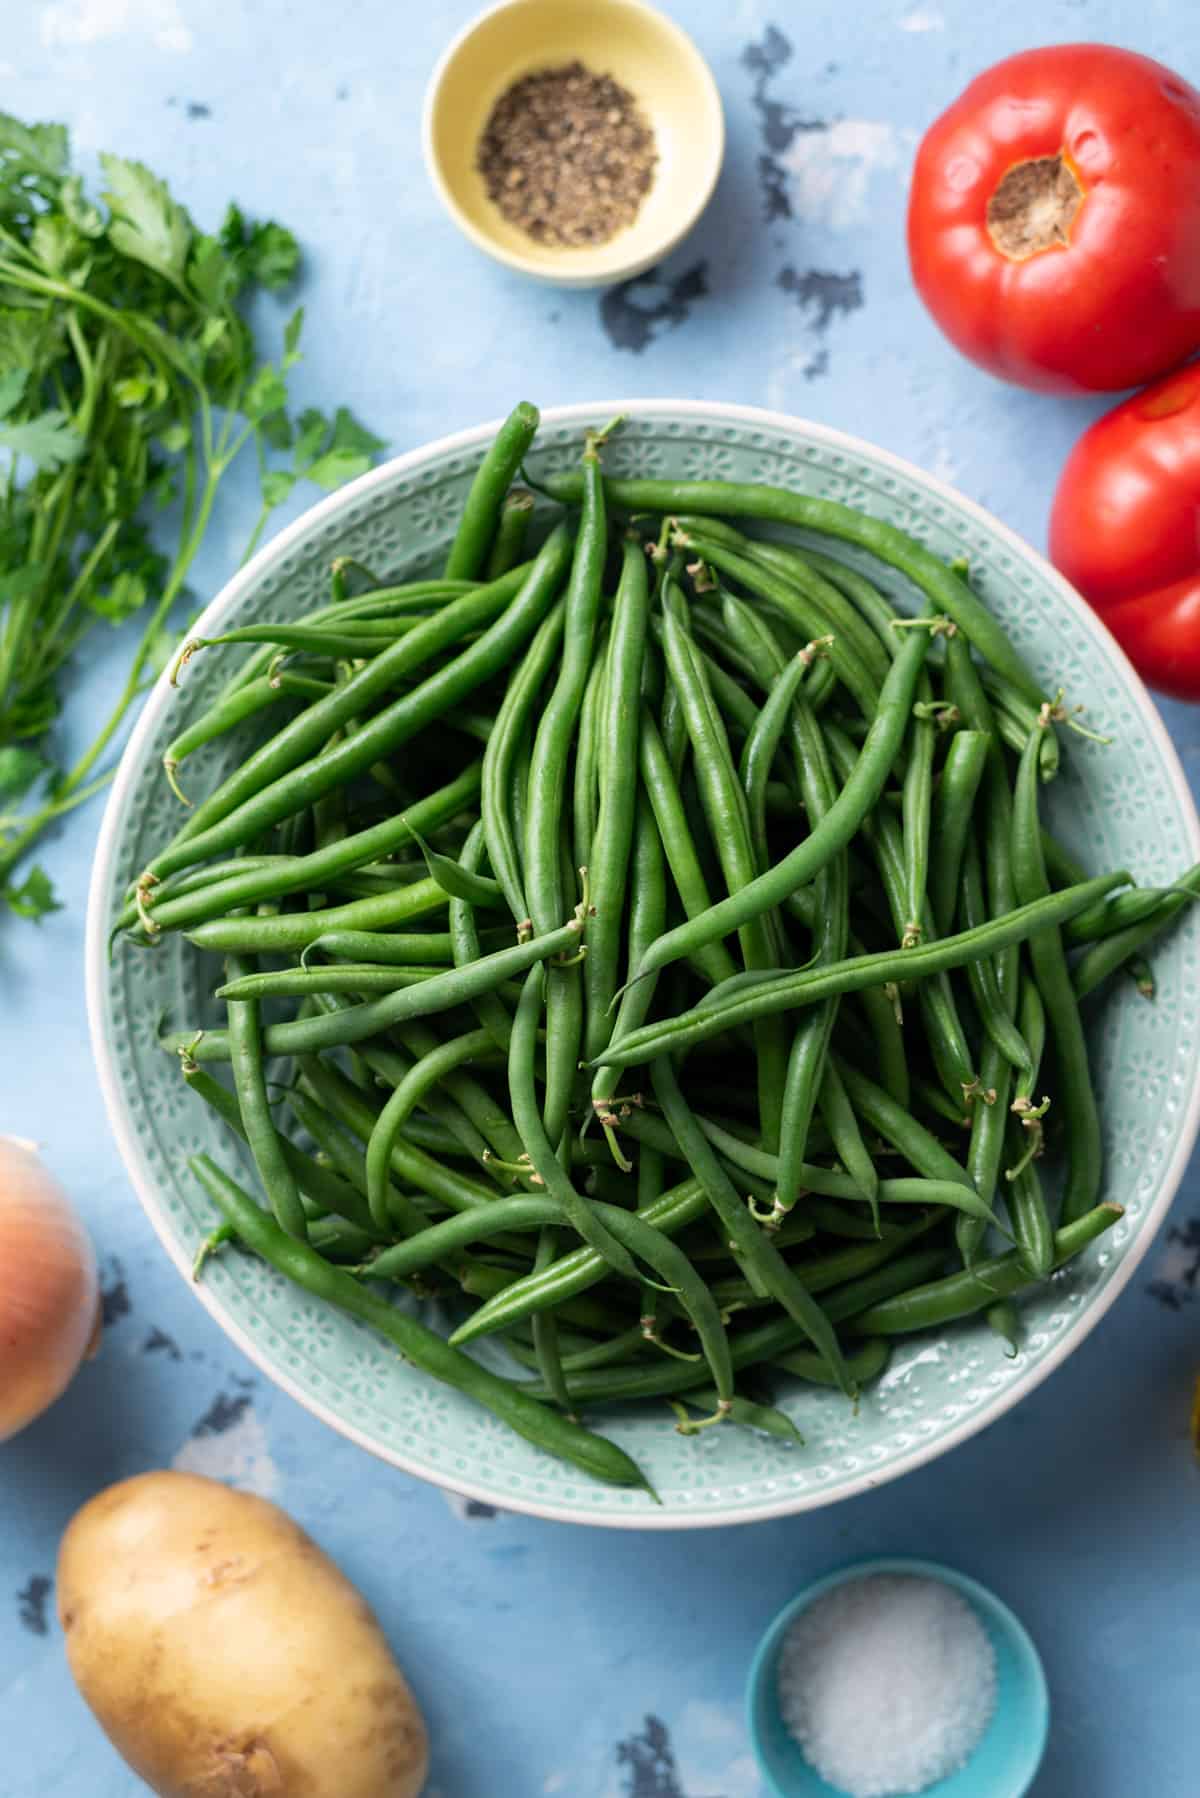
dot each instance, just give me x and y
(1118, 302)
(1125, 528)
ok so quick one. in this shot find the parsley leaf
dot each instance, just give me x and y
(272, 255)
(146, 224)
(20, 769)
(35, 898)
(348, 434)
(32, 149)
(336, 467)
(49, 440)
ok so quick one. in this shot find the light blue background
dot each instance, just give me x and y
(539, 1651)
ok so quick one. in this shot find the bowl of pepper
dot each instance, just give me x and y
(577, 141)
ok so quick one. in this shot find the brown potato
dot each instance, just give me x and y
(225, 1655)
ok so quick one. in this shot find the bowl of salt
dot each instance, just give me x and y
(897, 1676)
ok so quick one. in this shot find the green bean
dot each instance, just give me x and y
(962, 1294)
(761, 746)
(617, 771)
(308, 734)
(255, 697)
(467, 946)
(872, 605)
(410, 1163)
(812, 618)
(995, 1010)
(789, 991)
(801, 571)
(848, 1143)
(512, 532)
(866, 1363)
(1127, 910)
(557, 1435)
(829, 518)
(176, 908)
(917, 803)
(299, 983)
(761, 1258)
(572, 1207)
(356, 638)
(725, 810)
(1113, 952)
(329, 1190)
(585, 799)
(270, 796)
(834, 832)
(545, 821)
(575, 1272)
(394, 949)
(659, 781)
(1077, 1100)
(812, 1036)
(501, 754)
(456, 986)
(751, 1347)
(410, 596)
(920, 1149)
(250, 1082)
(345, 1156)
(985, 1150)
(1033, 1231)
(954, 801)
(458, 882)
(481, 514)
(427, 1071)
(292, 931)
(887, 1032)
(1005, 1320)
(947, 1039)
(743, 1411)
(647, 915)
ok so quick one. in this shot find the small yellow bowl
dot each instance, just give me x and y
(643, 50)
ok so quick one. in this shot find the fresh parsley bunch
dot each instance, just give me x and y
(130, 383)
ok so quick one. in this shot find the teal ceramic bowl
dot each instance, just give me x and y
(1011, 1749)
(1128, 806)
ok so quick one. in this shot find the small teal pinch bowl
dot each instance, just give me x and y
(1011, 1749)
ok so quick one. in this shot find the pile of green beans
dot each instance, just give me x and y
(645, 936)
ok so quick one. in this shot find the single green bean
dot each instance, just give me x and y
(617, 771)
(962, 1294)
(500, 758)
(250, 1083)
(953, 806)
(1081, 1117)
(556, 1434)
(512, 533)
(481, 514)
(789, 991)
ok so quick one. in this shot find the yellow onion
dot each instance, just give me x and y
(49, 1288)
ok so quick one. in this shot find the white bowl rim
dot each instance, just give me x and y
(618, 271)
(584, 413)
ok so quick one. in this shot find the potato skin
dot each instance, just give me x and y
(225, 1655)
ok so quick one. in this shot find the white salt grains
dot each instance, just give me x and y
(888, 1683)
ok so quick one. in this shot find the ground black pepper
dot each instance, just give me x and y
(567, 156)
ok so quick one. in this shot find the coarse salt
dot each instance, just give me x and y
(887, 1682)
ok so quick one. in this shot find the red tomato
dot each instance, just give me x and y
(1054, 219)
(1125, 528)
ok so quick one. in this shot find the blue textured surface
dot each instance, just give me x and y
(552, 1660)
